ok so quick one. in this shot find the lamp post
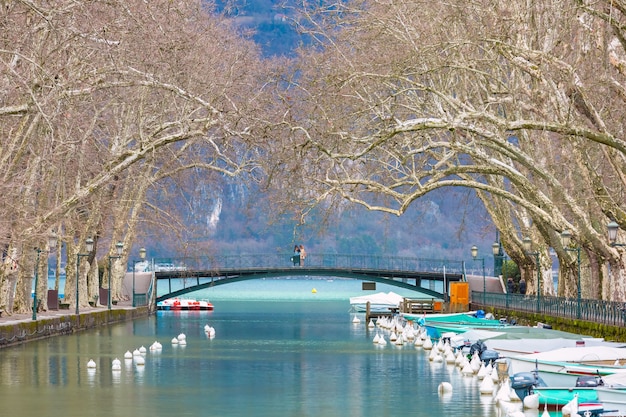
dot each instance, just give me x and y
(613, 228)
(474, 255)
(142, 256)
(52, 242)
(499, 264)
(566, 240)
(498, 258)
(89, 247)
(119, 247)
(527, 248)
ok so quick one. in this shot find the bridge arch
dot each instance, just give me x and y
(394, 271)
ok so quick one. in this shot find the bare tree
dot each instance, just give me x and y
(404, 97)
(93, 89)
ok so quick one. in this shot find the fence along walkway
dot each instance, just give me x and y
(606, 312)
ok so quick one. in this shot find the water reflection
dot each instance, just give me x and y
(267, 360)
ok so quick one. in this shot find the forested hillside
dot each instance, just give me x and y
(235, 218)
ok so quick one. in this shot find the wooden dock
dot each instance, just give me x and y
(408, 305)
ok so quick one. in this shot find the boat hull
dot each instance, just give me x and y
(561, 396)
(175, 304)
(613, 399)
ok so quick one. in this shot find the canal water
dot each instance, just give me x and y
(282, 348)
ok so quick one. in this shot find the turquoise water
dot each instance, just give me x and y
(280, 350)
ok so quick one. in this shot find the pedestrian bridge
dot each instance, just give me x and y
(185, 275)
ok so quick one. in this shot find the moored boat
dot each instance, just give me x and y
(184, 304)
(527, 384)
(561, 367)
(380, 302)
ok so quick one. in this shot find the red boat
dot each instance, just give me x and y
(178, 304)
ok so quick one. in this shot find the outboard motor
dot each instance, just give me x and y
(479, 347)
(589, 381)
(524, 382)
(489, 355)
(486, 355)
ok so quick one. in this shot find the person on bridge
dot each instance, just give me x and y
(302, 255)
(296, 255)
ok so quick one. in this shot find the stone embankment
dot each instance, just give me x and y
(21, 328)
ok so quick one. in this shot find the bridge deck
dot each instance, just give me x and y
(401, 272)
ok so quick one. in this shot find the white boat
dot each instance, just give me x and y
(561, 367)
(613, 394)
(380, 302)
(522, 340)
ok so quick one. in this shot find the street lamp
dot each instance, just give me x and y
(498, 258)
(612, 228)
(142, 255)
(52, 243)
(474, 255)
(527, 248)
(89, 247)
(119, 247)
(566, 240)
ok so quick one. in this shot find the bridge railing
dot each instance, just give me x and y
(273, 260)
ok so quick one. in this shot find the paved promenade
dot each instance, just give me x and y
(21, 328)
(15, 318)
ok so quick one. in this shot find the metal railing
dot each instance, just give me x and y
(605, 312)
(389, 263)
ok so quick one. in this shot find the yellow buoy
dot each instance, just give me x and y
(313, 290)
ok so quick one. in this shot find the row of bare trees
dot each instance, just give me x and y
(521, 101)
(100, 101)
